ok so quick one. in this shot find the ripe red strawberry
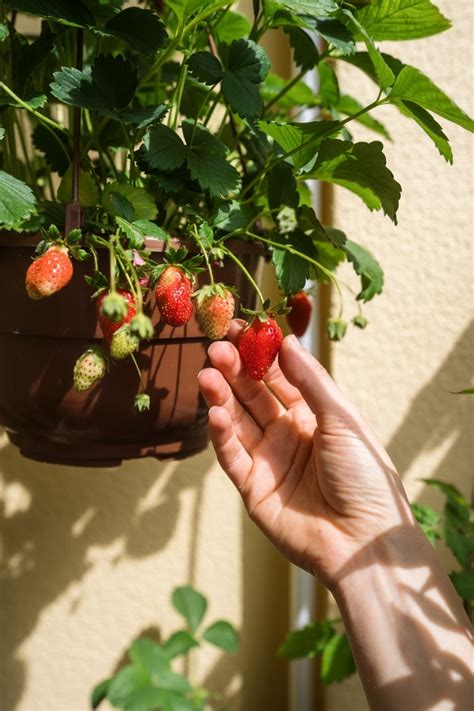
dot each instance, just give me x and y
(259, 344)
(108, 325)
(89, 367)
(300, 314)
(173, 295)
(215, 306)
(49, 273)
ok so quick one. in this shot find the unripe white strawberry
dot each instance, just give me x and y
(215, 306)
(123, 343)
(90, 367)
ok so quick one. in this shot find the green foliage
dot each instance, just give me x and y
(149, 683)
(369, 270)
(402, 19)
(337, 662)
(17, 201)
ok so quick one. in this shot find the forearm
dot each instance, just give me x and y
(407, 628)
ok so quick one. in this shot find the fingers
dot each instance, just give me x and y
(254, 396)
(309, 377)
(217, 392)
(230, 452)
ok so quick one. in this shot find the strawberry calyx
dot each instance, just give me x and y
(177, 258)
(142, 402)
(266, 312)
(114, 306)
(217, 289)
(142, 326)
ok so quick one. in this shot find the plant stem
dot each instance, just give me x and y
(285, 90)
(137, 367)
(112, 259)
(246, 272)
(136, 287)
(40, 117)
(204, 251)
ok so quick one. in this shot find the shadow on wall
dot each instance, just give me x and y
(48, 535)
(440, 420)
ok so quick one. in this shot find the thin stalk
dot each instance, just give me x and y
(127, 276)
(137, 367)
(40, 117)
(112, 262)
(246, 273)
(285, 90)
(21, 134)
(137, 289)
(206, 256)
(179, 94)
(212, 108)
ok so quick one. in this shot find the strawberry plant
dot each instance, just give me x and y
(124, 123)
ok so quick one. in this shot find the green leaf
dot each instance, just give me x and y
(99, 693)
(149, 656)
(205, 68)
(178, 644)
(291, 270)
(190, 604)
(362, 61)
(431, 127)
(305, 52)
(223, 635)
(163, 148)
(55, 147)
(467, 391)
(232, 215)
(3, 32)
(149, 229)
(385, 76)
(290, 136)
(281, 187)
(246, 68)
(361, 168)
(309, 641)
(183, 9)
(336, 34)
(144, 205)
(328, 85)
(66, 12)
(134, 235)
(125, 684)
(454, 497)
(349, 105)
(145, 116)
(367, 267)
(402, 19)
(109, 85)
(337, 662)
(231, 27)
(142, 30)
(429, 521)
(335, 236)
(310, 8)
(206, 161)
(464, 584)
(88, 193)
(329, 256)
(414, 86)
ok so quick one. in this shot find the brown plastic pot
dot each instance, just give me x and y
(40, 342)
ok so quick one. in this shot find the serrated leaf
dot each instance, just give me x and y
(337, 662)
(412, 85)
(329, 256)
(109, 85)
(178, 644)
(17, 201)
(232, 26)
(223, 635)
(454, 497)
(145, 116)
(88, 193)
(232, 215)
(336, 34)
(206, 161)
(281, 188)
(429, 521)
(185, 8)
(190, 604)
(3, 32)
(402, 19)
(305, 52)
(142, 30)
(144, 205)
(349, 106)
(429, 125)
(149, 229)
(133, 233)
(55, 147)
(309, 641)
(290, 136)
(362, 61)
(66, 12)
(310, 8)
(163, 148)
(367, 267)
(247, 67)
(361, 168)
(328, 85)
(291, 270)
(205, 68)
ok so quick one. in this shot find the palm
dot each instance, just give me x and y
(312, 486)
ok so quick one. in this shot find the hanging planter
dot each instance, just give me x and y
(128, 131)
(49, 420)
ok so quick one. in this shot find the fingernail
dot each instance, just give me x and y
(293, 342)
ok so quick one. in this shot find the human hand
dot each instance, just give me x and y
(311, 472)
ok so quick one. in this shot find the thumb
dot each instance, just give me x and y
(313, 381)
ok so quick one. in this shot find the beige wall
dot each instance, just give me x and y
(418, 346)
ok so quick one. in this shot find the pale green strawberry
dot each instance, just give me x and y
(123, 343)
(90, 367)
(215, 310)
